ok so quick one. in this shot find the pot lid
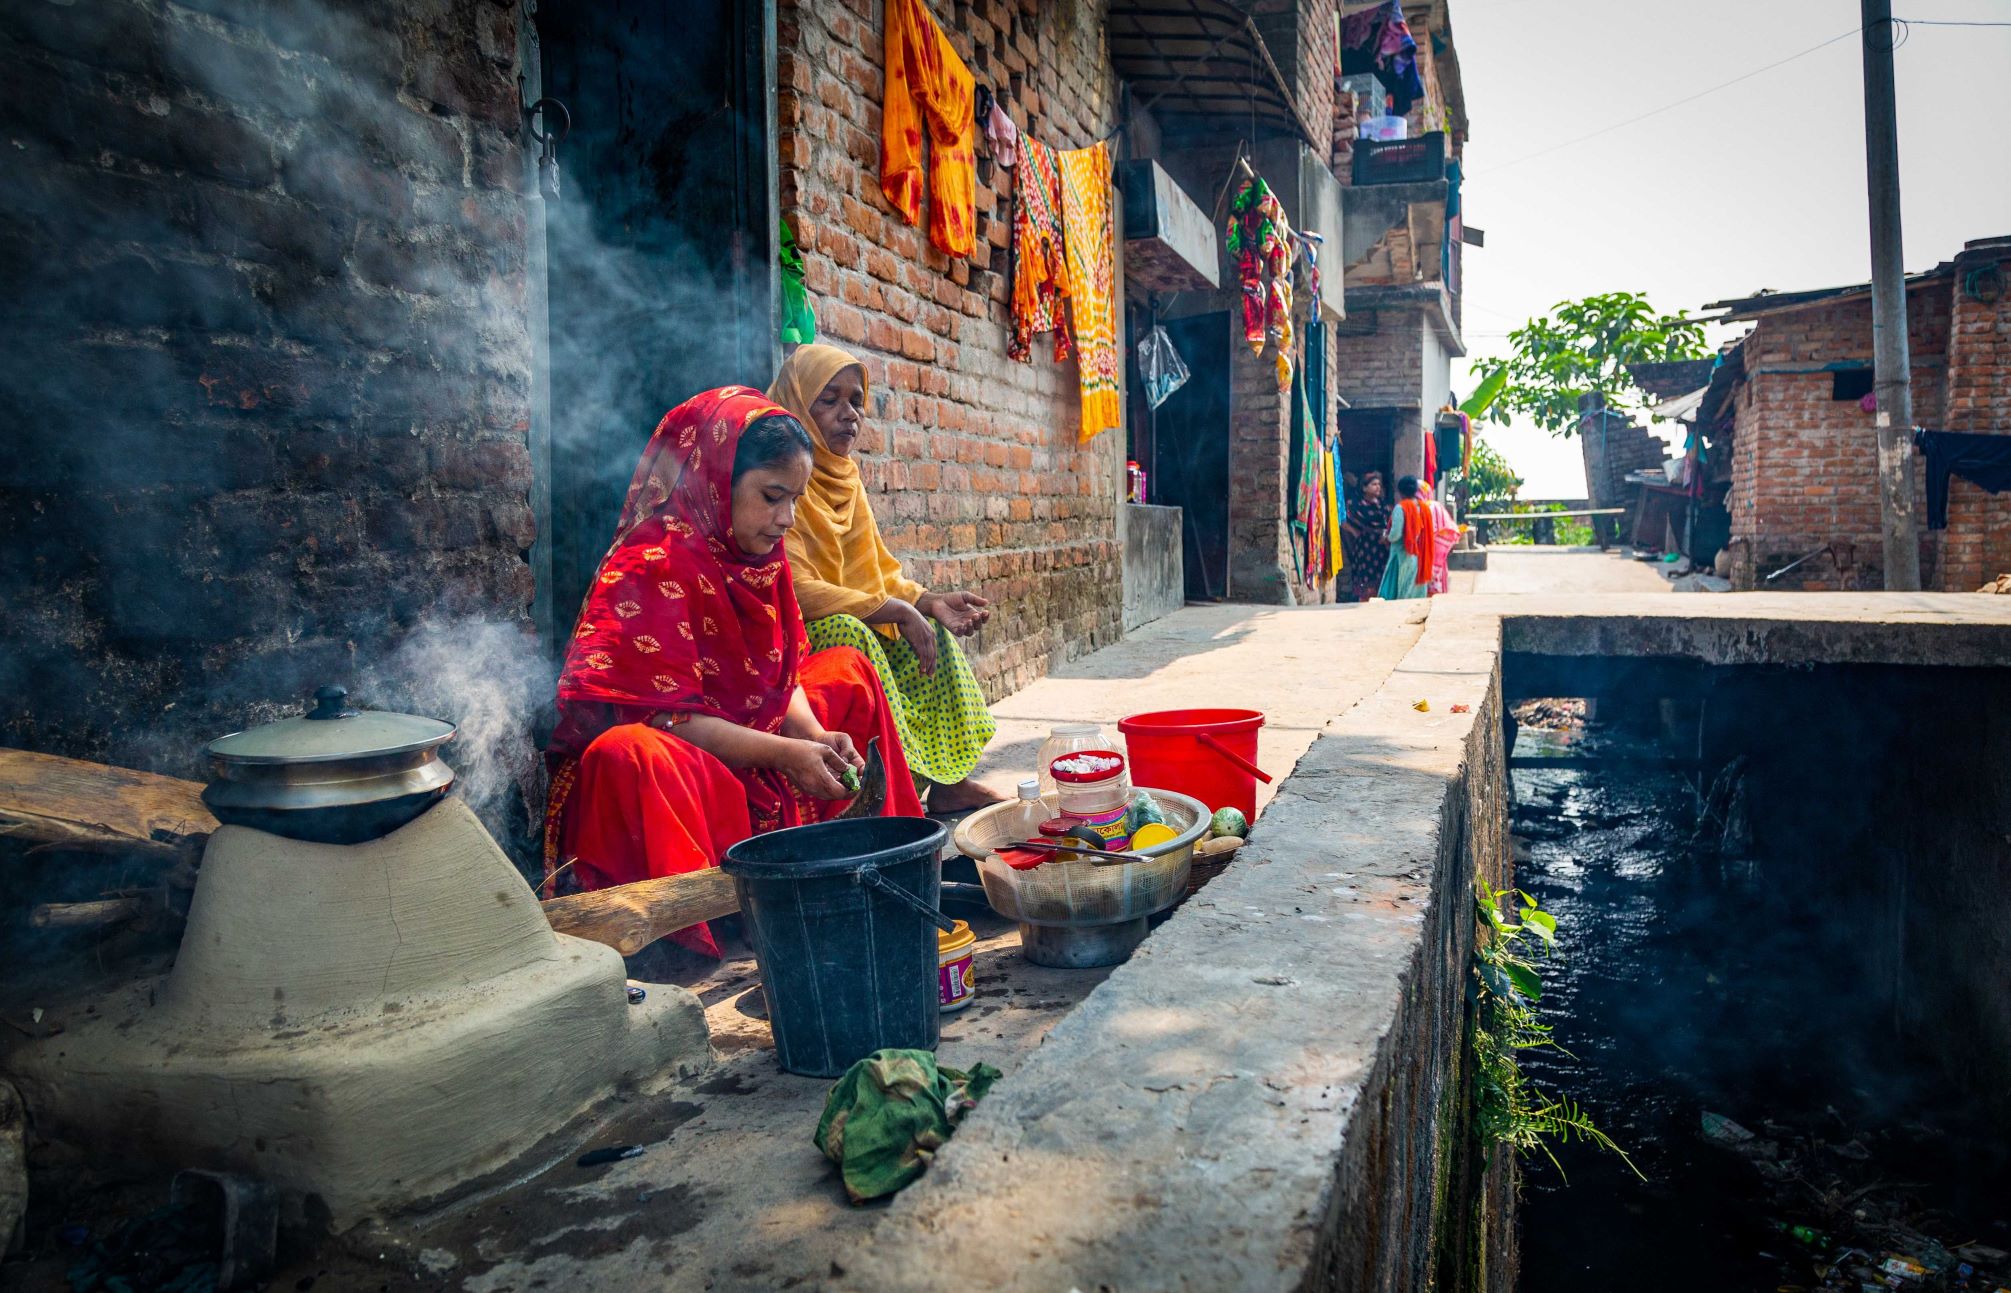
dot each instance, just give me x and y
(331, 731)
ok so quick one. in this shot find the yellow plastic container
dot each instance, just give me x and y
(954, 951)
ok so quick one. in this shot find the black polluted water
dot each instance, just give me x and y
(1756, 1008)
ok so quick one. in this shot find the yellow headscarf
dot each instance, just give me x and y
(840, 564)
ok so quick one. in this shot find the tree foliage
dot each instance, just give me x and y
(1492, 481)
(1582, 347)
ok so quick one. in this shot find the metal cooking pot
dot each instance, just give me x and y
(334, 775)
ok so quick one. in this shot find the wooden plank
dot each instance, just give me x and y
(46, 799)
(630, 917)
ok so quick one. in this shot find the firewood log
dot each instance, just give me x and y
(72, 803)
(629, 917)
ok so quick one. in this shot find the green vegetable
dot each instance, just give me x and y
(1145, 809)
(850, 779)
(1229, 821)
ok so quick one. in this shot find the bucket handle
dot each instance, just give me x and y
(872, 877)
(1233, 757)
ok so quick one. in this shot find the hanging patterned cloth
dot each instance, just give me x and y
(1260, 238)
(1310, 517)
(928, 89)
(1040, 266)
(1091, 241)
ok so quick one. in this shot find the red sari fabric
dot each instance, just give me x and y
(680, 621)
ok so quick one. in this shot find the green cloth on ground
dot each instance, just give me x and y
(799, 321)
(890, 1113)
(941, 716)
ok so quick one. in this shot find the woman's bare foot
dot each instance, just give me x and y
(962, 797)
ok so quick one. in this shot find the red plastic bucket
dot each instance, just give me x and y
(1210, 754)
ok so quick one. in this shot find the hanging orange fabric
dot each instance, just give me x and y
(1420, 529)
(1091, 241)
(925, 78)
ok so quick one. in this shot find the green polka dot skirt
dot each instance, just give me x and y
(941, 717)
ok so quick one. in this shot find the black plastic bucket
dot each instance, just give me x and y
(843, 916)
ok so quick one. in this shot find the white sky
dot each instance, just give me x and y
(1759, 184)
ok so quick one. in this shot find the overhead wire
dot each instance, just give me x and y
(1902, 24)
(1656, 112)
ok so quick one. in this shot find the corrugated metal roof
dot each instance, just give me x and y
(1666, 379)
(1676, 410)
(1765, 303)
(1200, 58)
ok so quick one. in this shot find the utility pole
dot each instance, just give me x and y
(1892, 376)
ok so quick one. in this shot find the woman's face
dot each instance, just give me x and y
(1372, 487)
(764, 503)
(840, 410)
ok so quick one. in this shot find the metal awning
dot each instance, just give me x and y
(1201, 58)
(1679, 408)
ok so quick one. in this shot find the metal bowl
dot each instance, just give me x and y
(1081, 913)
(333, 775)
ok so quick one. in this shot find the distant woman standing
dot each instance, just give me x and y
(1411, 534)
(1362, 541)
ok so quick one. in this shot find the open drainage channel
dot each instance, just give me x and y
(1784, 976)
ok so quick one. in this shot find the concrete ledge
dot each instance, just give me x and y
(1466, 559)
(1943, 629)
(1267, 1096)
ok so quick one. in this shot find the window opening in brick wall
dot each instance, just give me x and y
(1850, 383)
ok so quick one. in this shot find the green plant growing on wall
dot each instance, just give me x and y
(1508, 1108)
(1579, 348)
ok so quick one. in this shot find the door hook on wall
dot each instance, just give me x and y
(539, 118)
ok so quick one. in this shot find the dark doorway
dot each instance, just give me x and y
(1368, 442)
(660, 248)
(1191, 451)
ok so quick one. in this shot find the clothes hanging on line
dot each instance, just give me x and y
(1090, 239)
(1002, 136)
(1983, 459)
(1039, 263)
(927, 82)
(1379, 40)
(1260, 238)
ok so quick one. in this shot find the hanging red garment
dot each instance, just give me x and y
(1040, 260)
(1431, 455)
(680, 621)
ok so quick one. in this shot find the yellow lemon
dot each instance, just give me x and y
(1153, 834)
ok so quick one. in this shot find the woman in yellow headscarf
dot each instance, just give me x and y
(853, 592)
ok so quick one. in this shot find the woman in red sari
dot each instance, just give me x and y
(691, 711)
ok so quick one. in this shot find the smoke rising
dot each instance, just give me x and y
(491, 681)
(277, 281)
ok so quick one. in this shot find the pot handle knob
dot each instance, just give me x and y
(331, 702)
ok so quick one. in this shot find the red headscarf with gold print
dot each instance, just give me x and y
(678, 618)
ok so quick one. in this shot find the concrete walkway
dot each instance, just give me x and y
(1529, 569)
(1301, 667)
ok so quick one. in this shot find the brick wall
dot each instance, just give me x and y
(972, 459)
(1613, 446)
(1976, 546)
(265, 354)
(1804, 465)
